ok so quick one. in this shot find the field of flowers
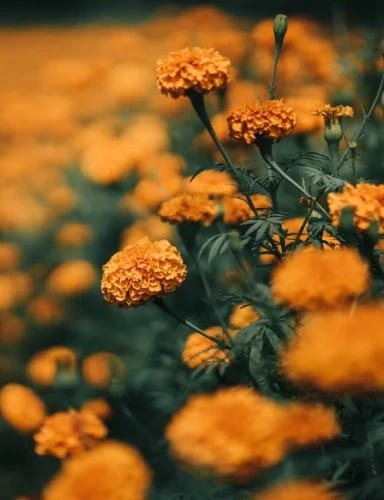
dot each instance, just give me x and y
(192, 259)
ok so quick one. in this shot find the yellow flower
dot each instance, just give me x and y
(195, 69)
(142, 272)
(270, 119)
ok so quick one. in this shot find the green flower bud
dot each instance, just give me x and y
(333, 132)
(280, 26)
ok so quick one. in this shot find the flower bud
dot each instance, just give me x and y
(280, 26)
(333, 131)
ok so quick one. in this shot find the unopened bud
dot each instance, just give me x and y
(333, 132)
(280, 26)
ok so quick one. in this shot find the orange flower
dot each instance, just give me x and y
(72, 277)
(68, 433)
(45, 310)
(142, 272)
(206, 436)
(152, 227)
(163, 163)
(73, 234)
(299, 490)
(338, 351)
(9, 256)
(193, 69)
(116, 470)
(318, 279)
(189, 207)
(12, 329)
(211, 182)
(367, 200)
(101, 367)
(150, 192)
(42, 367)
(21, 408)
(199, 350)
(306, 122)
(98, 407)
(236, 208)
(242, 315)
(333, 113)
(270, 119)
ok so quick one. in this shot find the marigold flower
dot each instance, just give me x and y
(318, 279)
(12, 329)
(150, 192)
(333, 113)
(270, 119)
(211, 182)
(117, 470)
(367, 201)
(152, 227)
(98, 407)
(100, 368)
(193, 69)
(189, 207)
(42, 367)
(206, 436)
(142, 272)
(299, 490)
(163, 163)
(10, 256)
(45, 310)
(243, 315)
(72, 277)
(68, 433)
(21, 408)
(199, 350)
(236, 208)
(338, 351)
(73, 234)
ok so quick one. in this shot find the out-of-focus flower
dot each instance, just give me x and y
(42, 367)
(211, 182)
(129, 83)
(189, 207)
(62, 199)
(338, 351)
(21, 408)
(68, 433)
(236, 208)
(366, 200)
(100, 368)
(15, 287)
(199, 350)
(98, 407)
(193, 69)
(160, 164)
(152, 227)
(141, 272)
(242, 315)
(299, 490)
(205, 434)
(270, 119)
(10, 255)
(45, 310)
(110, 470)
(73, 234)
(12, 329)
(303, 100)
(72, 277)
(318, 279)
(151, 191)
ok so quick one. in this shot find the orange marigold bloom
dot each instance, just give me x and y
(109, 471)
(243, 315)
(367, 200)
(152, 227)
(189, 207)
(299, 490)
(206, 436)
(236, 208)
(318, 279)
(73, 234)
(150, 192)
(98, 407)
(72, 277)
(67, 433)
(333, 113)
(21, 407)
(270, 119)
(45, 310)
(100, 367)
(10, 255)
(199, 350)
(338, 350)
(193, 69)
(211, 182)
(42, 367)
(142, 272)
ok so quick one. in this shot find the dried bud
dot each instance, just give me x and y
(280, 26)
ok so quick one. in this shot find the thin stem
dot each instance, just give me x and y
(160, 303)
(333, 148)
(367, 117)
(305, 221)
(266, 152)
(272, 86)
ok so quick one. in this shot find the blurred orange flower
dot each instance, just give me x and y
(211, 182)
(189, 207)
(152, 227)
(236, 208)
(72, 277)
(42, 368)
(98, 407)
(242, 315)
(299, 490)
(100, 368)
(73, 234)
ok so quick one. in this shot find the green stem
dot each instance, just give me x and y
(161, 305)
(333, 148)
(266, 153)
(272, 86)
